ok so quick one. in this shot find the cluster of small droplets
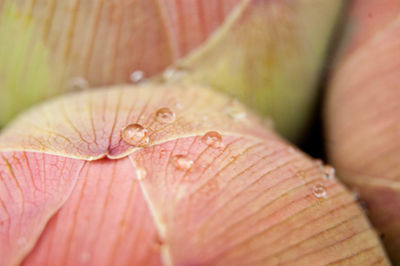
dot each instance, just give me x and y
(78, 83)
(165, 115)
(141, 173)
(136, 135)
(213, 139)
(137, 76)
(235, 111)
(182, 162)
(319, 191)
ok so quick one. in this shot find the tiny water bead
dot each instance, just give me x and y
(356, 195)
(235, 111)
(179, 105)
(137, 76)
(78, 83)
(291, 150)
(328, 172)
(165, 115)
(141, 173)
(174, 73)
(319, 163)
(136, 135)
(319, 191)
(212, 139)
(181, 162)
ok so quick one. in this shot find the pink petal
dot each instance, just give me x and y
(33, 187)
(251, 203)
(363, 117)
(105, 221)
(88, 125)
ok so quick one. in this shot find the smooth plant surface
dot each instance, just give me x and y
(89, 185)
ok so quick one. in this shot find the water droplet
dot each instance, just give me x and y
(78, 83)
(141, 173)
(174, 73)
(318, 162)
(356, 195)
(235, 111)
(328, 172)
(165, 115)
(182, 162)
(91, 158)
(136, 135)
(137, 76)
(179, 106)
(213, 139)
(292, 150)
(319, 191)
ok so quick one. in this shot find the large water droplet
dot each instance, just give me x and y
(165, 115)
(213, 139)
(141, 173)
(137, 76)
(181, 162)
(78, 83)
(136, 135)
(319, 191)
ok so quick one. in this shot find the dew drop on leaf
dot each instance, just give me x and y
(136, 135)
(319, 191)
(212, 139)
(181, 162)
(165, 115)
